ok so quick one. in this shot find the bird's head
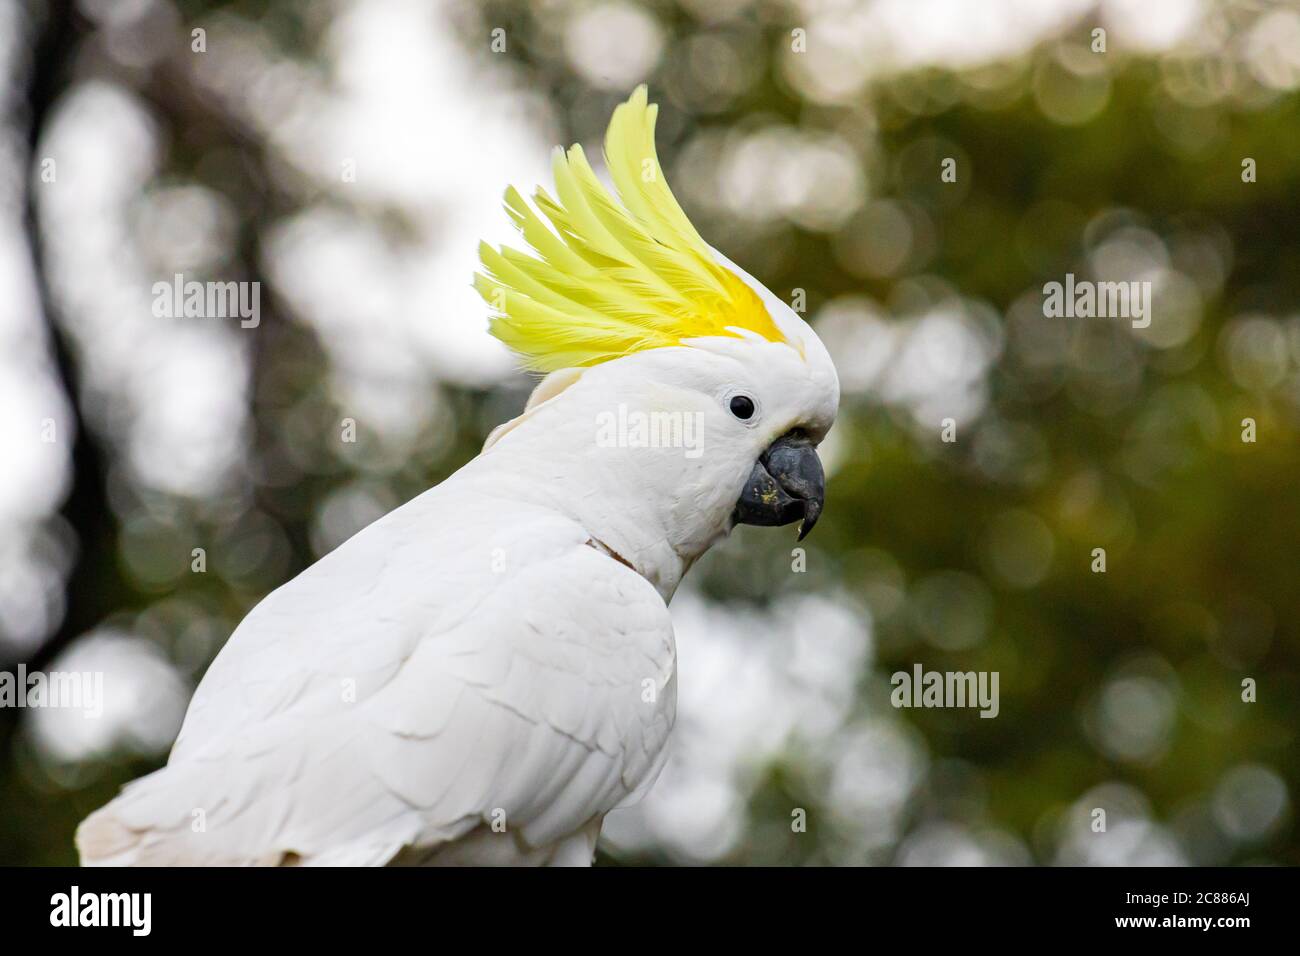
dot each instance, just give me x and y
(675, 380)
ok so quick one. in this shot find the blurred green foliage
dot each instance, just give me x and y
(1075, 434)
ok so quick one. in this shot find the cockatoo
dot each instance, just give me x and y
(481, 675)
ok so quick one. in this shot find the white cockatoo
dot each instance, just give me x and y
(482, 674)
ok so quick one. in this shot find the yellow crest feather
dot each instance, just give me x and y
(611, 279)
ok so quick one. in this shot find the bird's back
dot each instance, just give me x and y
(469, 679)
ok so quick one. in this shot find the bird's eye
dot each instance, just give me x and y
(742, 406)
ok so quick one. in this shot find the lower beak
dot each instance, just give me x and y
(786, 484)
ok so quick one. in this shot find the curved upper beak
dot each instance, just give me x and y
(786, 484)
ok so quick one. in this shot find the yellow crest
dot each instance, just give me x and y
(611, 279)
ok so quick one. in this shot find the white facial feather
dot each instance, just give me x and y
(662, 503)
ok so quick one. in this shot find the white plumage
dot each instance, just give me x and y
(413, 687)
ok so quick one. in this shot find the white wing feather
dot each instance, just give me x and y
(464, 661)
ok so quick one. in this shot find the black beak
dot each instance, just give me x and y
(787, 484)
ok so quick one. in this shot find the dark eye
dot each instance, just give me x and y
(742, 406)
